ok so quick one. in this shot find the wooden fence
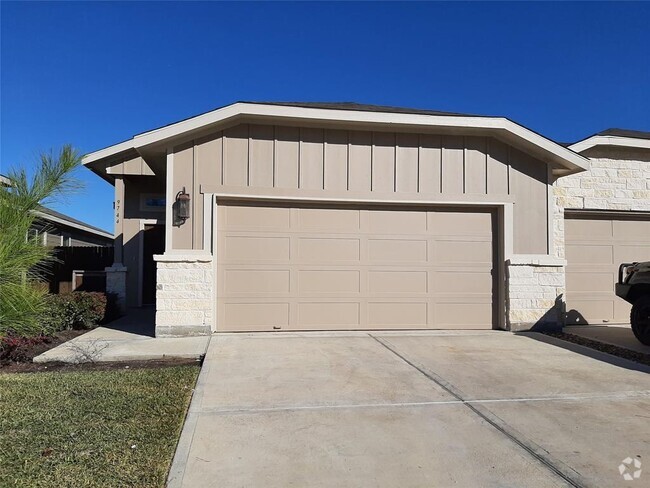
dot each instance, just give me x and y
(58, 275)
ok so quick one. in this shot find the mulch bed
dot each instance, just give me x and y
(14, 367)
(28, 353)
(621, 352)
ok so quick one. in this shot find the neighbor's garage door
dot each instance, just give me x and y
(319, 268)
(594, 249)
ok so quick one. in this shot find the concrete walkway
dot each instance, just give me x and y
(419, 409)
(129, 338)
(617, 335)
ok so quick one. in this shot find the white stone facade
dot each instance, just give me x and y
(610, 184)
(184, 295)
(616, 180)
(535, 296)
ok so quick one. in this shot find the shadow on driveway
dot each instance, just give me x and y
(606, 357)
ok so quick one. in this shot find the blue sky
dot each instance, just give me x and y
(93, 74)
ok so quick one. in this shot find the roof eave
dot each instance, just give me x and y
(75, 225)
(617, 141)
(560, 156)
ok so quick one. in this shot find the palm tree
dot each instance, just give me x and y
(23, 257)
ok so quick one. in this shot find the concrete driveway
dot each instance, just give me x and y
(412, 410)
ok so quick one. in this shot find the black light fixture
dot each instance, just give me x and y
(183, 205)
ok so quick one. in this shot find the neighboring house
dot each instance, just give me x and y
(607, 221)
(57, 229)
(308, 216)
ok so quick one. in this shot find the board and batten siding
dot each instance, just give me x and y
(336, 163)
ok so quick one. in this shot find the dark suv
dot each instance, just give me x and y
(634, 287)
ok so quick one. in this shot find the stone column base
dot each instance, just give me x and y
(184, 295)
(535, 296)
(116, 285)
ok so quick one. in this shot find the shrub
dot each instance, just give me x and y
(76, 310)
(23, 261)
(17, 348)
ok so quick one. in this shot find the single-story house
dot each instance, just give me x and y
(57, 229)
(341, 216)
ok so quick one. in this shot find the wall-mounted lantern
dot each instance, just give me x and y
(182, 205)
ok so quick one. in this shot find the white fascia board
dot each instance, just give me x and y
(107, 151)
(57, 220)
(610, 141)
(564, 156)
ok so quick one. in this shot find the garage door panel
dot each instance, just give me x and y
(328, 220)
(460, 223)
(253, 249)
(464, 252)
(254, 218)
(590, 282)
(459, 281)
(397, 250)
(594, 248)
(397, 314)
(473, 315)
(318, 249)
(397, 282)
(256, 281)
(256, 316)
(630, 253)
(347, 268)
(593, 309)
(387, 222)
(322, 281)
(590, 229)
(326, 315)
(631, 230)
(589, 254)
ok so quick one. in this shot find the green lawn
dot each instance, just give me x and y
(92, 428)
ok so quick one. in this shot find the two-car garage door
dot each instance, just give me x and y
(595, 246)
(287, 267)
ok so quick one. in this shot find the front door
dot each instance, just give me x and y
(153, 243)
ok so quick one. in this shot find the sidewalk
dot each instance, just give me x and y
(130, 338)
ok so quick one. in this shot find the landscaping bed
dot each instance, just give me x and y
(26, 349)
(93, 425)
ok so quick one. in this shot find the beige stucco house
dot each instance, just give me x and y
(312, 216)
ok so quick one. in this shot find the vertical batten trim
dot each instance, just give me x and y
(348, 159)
(487, 159)
(299, 155)
(551, 248)
(418, 171)
(372, 160)
(248, 156)
(464, 165)
(223, 156)
(509, 160)
(170, 199)
(324, 155)
(395, 162)
(442, 163)
(275, 148)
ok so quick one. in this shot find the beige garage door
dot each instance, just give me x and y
(324, 268)
(594, 249)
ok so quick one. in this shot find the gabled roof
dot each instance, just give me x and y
(50, 215)
(564, 160)
(59, 218)
(614, 137)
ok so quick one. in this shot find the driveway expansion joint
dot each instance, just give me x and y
(557, 467)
